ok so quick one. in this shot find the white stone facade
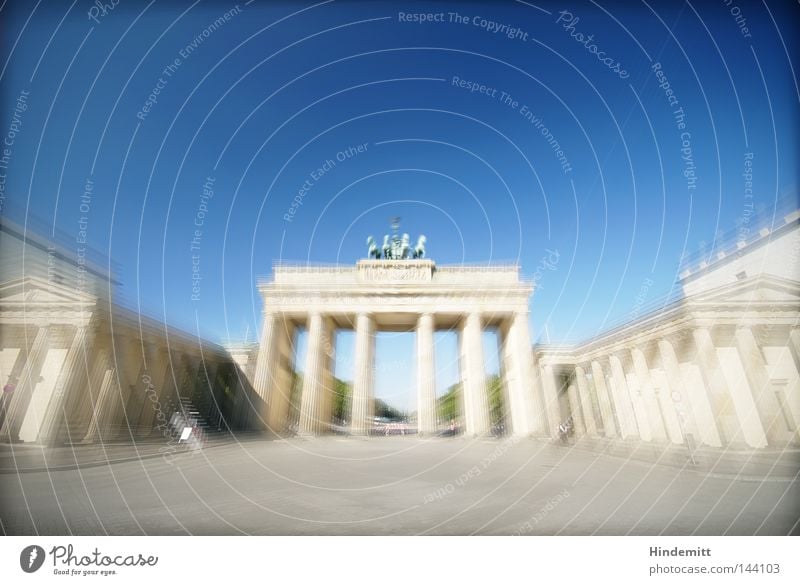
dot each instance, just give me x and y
(407, 295)
(78, 368)
(718, 367)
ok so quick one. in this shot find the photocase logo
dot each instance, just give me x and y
(31, 558)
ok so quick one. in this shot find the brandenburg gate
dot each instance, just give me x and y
(396, 290)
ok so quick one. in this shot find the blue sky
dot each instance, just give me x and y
(264, 100)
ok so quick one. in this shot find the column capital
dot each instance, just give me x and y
(472, 316)
(427, 315)
(676, 337)
(621, 354)
(426, 320)
(665, 342)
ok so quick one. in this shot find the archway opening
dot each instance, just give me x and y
(299, 345)
(495, 382)
(449, 403)
(394, 402)
(343, 371)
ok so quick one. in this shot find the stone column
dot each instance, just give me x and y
(363, 380)
(650, 402)
(105, 397)
(167, 393)
(637, 402)
(158, 372)
(426, 376)
(137, 401)
(107, 424)
(721, 398)
(575, 410)
(622, 400)
(473, 375)
(794, 346)
(550, 387)
(126, 356)
(672, 424)
(130, 364)
(604, 400)
(586, 401)
(263, 379)
(283, 379)
(11, 376)
(67, 382)
(766, 407)
(704, 426)
(314, 405)
(541, 426)
(27, 383)
(80, 405)
(521, 386)
(674, 378)
(792, 390)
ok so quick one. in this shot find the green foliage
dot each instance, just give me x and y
(342, 391)
(494, 389)
(383, 410)
(448, 404)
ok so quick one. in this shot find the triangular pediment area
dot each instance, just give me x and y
(764, 289)
(32, 291)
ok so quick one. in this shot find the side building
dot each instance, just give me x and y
(77, 367)
(718, 367)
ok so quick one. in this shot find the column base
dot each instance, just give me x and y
(308, 435)
(481, 435)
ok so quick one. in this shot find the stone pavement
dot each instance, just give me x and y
(398, 485)
(25, 457)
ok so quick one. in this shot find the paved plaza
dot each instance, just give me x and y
(398, 485)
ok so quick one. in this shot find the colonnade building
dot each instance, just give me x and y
(718, 365)
(78, 367)
(395, 295)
